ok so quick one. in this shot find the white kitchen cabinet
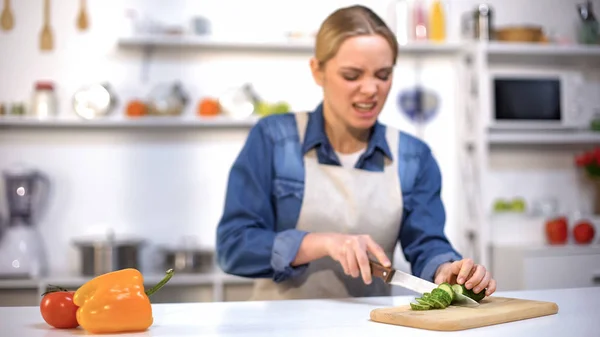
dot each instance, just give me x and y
(546, 267)
(548, 272)
(17, 297)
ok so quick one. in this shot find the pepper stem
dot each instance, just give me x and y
(160, 284)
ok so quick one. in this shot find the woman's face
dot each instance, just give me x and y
(356, 82)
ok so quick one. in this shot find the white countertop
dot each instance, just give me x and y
(314, 318)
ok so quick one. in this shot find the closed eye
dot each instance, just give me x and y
(384, 75)
(352, 74)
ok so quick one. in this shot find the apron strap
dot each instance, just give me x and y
(392, 137)
(301, 122)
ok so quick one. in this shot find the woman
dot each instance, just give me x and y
(312, 196)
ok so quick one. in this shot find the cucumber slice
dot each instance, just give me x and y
(415, 306)
(435, 293)
(448, 289)
(437, 303)
(424, 302)
(458, 289)
(442, 296)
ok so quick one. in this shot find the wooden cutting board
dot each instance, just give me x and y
(492, 310)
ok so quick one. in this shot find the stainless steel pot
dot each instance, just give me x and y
(105, 255)
(167, 100)
(188, 260)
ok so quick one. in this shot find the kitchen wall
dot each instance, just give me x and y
(163, 185)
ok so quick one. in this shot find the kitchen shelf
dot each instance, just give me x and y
(282, 45)
(547, 49)
(554, 250)
(209, 279)
(186, 41)
(141, 122)
(431, 48)
(19, 284)
(544, 138)
(571, 54)
(307, 46)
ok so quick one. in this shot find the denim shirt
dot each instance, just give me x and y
(256, 235)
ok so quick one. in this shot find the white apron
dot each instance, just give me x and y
(342, 200)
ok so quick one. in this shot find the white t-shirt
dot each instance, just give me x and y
(348, 160)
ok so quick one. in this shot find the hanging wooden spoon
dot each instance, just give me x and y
(46, 39)
(7, 20)
(82, 19)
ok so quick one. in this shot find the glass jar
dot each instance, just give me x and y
(44, 102)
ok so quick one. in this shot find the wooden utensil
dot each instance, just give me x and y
(82, 19)
(46, 39)
(491, 311)
(7, 20)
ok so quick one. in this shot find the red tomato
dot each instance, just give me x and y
(557, 231)
(584, 232)
(58, 309)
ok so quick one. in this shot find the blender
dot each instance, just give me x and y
(22, 253)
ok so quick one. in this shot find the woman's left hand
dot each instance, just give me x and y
(473, 276)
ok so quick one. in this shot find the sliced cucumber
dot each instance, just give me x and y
(415, 306)
(424, 301)
(448, 289)
(437, 303)
(444, 295)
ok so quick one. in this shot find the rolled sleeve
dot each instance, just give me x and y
(424, 243)
(432, 265)
(285, 249)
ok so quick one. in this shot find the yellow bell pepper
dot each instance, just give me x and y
(116, 302)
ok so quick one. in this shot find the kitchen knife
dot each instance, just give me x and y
(416, 284)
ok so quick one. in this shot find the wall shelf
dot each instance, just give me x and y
(431, 48)
(573, 54)
(544, 138)
(192, 41)
(574, 50)
(275, 45)
(29, 291)
(14, 122)
(208, 278)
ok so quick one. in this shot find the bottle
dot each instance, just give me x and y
(44, 102)
(402, 21)
(419, 22)
(589, 29)
(437, 22)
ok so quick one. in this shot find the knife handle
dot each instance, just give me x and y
(378, 270)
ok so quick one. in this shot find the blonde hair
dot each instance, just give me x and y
(348, 22)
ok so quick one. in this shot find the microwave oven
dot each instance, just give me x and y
(538, 100)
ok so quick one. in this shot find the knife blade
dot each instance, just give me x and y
(399, 278)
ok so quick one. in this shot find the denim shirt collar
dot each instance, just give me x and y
(315, 136)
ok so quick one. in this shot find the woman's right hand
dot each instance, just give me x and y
(351, 252)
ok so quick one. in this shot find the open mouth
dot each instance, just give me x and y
(364, 107)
